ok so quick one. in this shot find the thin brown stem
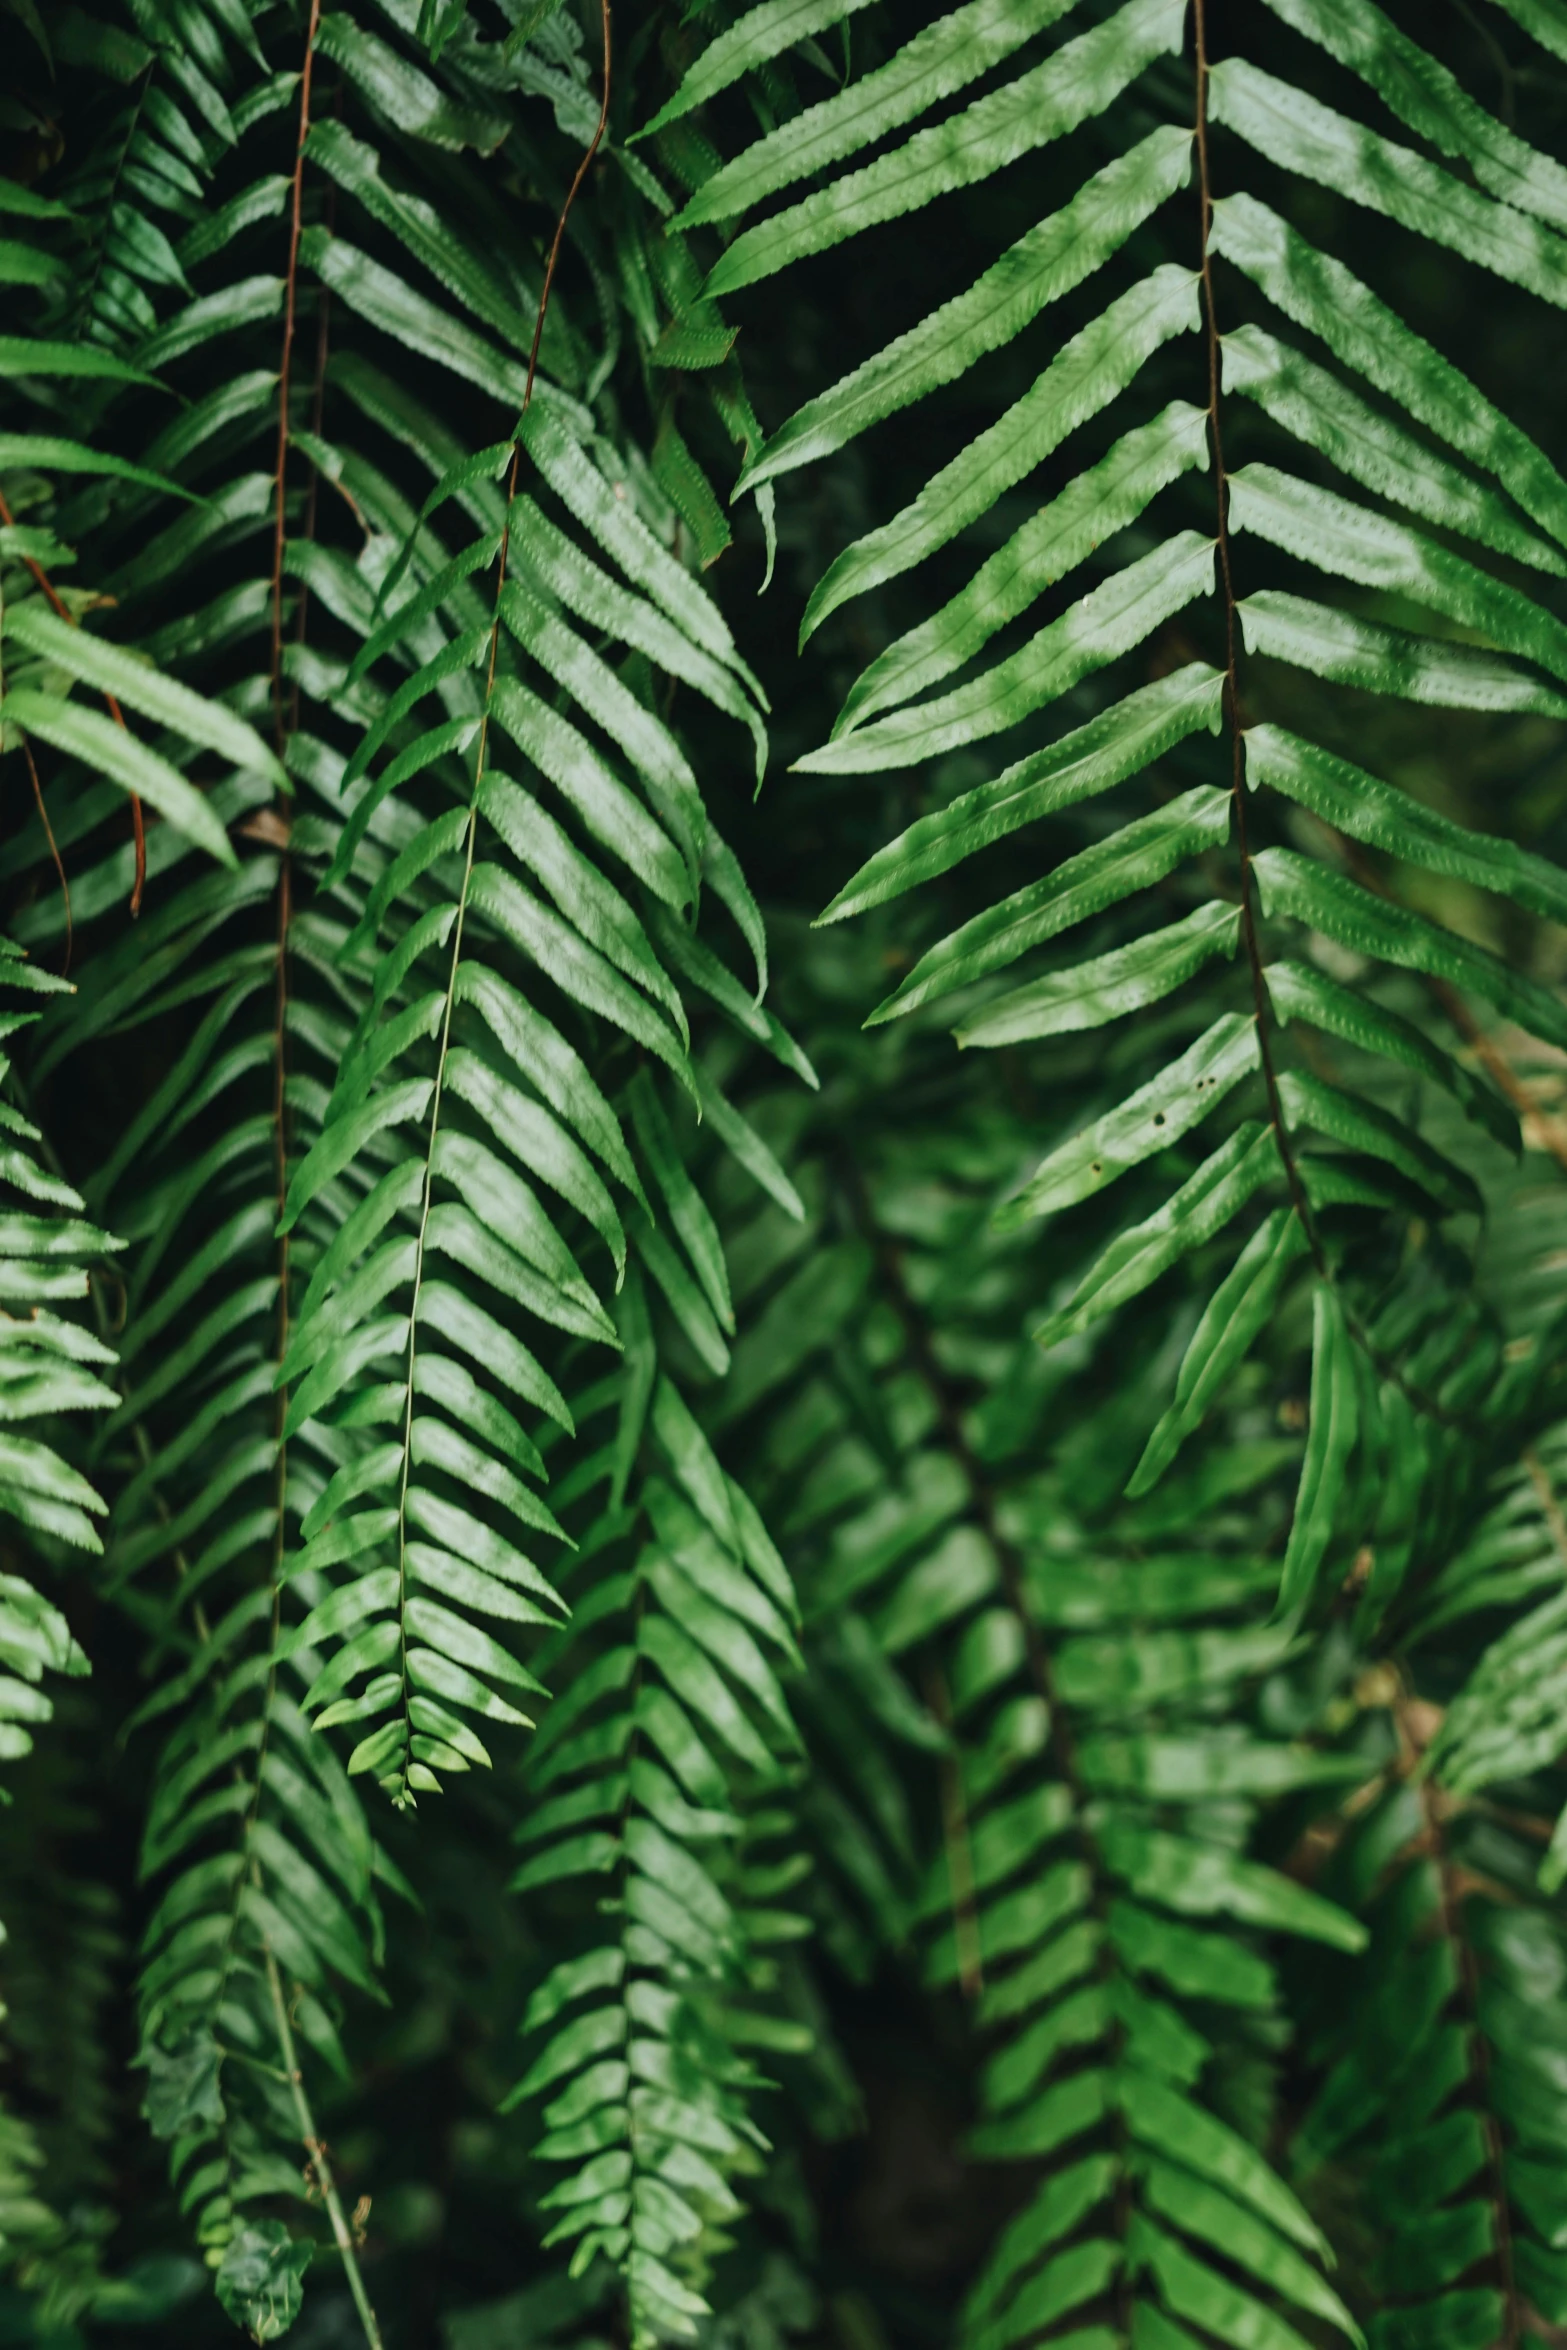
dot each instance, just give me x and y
(1232, 713)
(1545, 1495)
(138, 827)
(317, 417)
(1486, 1051)
(290, 310)
(1506, 1078)
(54, 849)
(40, 576)
(310, 2138)
(589, 152)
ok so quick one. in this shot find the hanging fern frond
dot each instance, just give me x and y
(1333, 484)
(1082, 1686)
(257, 1455)
(256, 1847)
(1439, 2092)
(52, 1368)
(456, 1225)
(650, 1780)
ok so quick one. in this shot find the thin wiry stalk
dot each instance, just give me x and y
(315, 2147)
(63, 612)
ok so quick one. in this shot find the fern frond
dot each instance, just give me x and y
(651, 1779)
(1374, 508)
(459, 914)
(1156, 1404)
(1077, 1693)
(51, 1368)
(1452, 2117)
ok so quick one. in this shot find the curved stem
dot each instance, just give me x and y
(54, 849)
(589, 152)
(310, 2137)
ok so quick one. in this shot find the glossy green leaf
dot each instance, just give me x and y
(1194, 1214)
(1293, 885)
(1092, 508)
(1301, 135)
(117, 753)
(1308, 1100)
(1432, 102)
(1128, 979)
(1297, 991)
(1112, 618)
(1089, 760)
(1071, 87)
(1320, 293)
(1232, 1321)
(760, 34)
(1379, 660)
(1356, 803)
(1313, 404)
(1157, 1115)
(1141, 854)
(1038, 270)
(1330, 1438)
(1086, 374)
(935, 64)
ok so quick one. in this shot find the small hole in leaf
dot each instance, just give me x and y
(1158, 1117)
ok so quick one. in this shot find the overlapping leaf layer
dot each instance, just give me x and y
(618, 1569)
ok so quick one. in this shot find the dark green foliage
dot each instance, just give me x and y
(838, 1630)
